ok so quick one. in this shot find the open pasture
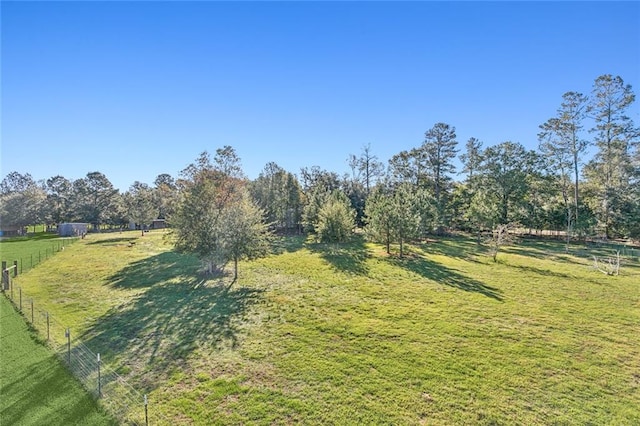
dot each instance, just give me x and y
(326, 334)
(30, 251)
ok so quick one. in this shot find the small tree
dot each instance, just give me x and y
(380, 218)
(336, 219)
(500, 236)
(609, 265)
(399, 214)
(244, 235)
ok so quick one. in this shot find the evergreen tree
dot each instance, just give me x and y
(611, 171)
(336, 219)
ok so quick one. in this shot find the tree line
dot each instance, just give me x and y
(413, 194)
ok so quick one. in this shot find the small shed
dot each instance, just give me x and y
(158, 224)
(11, 231)
(72, 229)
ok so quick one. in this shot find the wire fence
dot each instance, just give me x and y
(38, 254)
(115, 394)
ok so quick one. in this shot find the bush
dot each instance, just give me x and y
(336, 219)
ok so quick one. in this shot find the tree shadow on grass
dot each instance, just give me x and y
(113, 241)
(445, 276)
(157, 331)
(288, 243)
(348, 257)
(161, 268)
(540, 271)
(456, 247)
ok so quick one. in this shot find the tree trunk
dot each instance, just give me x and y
(235, 268)
(388, 242)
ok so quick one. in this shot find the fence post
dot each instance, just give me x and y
(99, 387)
(67, 334)
(32, 322)
(39, 257)
(21, 266)
(48, 329)
(20, 291)
(146, 414)
(31, 260)
(15, 268)
(5, 275)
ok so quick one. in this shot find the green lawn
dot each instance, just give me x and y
(30, 251)
(320, 334)
(35, 389)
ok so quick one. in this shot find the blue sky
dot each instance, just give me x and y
(135, 89)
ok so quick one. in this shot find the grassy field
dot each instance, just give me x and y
(35, 389)
(30, 251)
(318, 334)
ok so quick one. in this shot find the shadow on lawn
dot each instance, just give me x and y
(457, 247)
(113, 241)
(540, 271)
(348, 257)
(157, 331)
(445, 276)
(156, 269)
(288, 243)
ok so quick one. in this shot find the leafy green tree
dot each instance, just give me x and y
(539, 189)
(336, 219)
(243, 232)
(215, 219)
(380, 217)
(317, 185)
(464, 192)
(165, 195)
(139, 204)
(196, 222)
(484, 211)
(59, 200)
(561, 143)
(611, 171)
(94, 199)
(503, 184)
(278, 193)
(21, 201)
(429, 166)
(397, 214)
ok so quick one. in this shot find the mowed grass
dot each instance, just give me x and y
(325, 334)
(35, 389)
(30, 251)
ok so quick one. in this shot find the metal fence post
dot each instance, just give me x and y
(32, 322)
(67, 334)
(48, 329)
(146, 413)
(99, 387)
(20, 291)
(15, 268)
(5, 275)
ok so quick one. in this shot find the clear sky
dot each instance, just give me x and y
(135, 89)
